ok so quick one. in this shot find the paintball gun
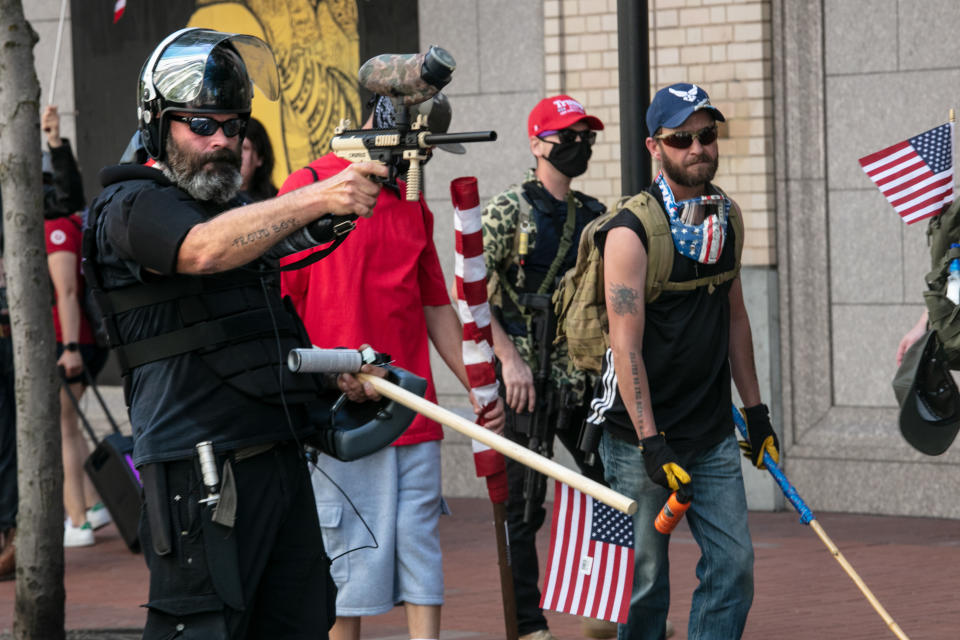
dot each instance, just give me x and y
(407, 145)
(404, 130)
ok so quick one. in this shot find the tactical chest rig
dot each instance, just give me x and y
(539, 253)
(232, 321)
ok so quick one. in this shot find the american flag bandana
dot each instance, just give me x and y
(703, 242)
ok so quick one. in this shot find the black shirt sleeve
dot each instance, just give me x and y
(149, 226)
(64, 195)
(624, 218)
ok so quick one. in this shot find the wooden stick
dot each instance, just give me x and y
(507, 592)
(507, 447)
(891, 624)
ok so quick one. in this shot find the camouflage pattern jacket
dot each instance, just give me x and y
(501, 217)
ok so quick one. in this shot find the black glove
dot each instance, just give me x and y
(661, 464)
(761, 436)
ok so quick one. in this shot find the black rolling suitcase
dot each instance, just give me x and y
(111, 470)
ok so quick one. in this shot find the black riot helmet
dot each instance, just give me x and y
(201, 71)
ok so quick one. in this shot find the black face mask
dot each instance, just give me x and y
(570, 158)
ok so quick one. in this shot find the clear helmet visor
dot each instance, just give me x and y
(179, 66)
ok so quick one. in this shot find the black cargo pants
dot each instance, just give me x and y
(267, 577)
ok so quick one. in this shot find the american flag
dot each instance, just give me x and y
(118, 8)
(916, 175)
(590, 571)
(474, 311)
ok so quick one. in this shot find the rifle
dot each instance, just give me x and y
(405, 142)
(538, 426)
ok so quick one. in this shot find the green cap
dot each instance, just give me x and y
(928, 397)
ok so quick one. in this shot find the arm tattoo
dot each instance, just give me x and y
(626, 301)
(638, 396)
(260, 234)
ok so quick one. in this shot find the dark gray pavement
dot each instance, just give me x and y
(912, 565)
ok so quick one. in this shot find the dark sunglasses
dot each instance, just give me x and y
(683, 139)
(206, 126)
(571, 135)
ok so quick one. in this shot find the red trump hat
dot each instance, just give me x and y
(559, 112)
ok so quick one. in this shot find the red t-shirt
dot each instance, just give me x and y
(373, 287)
(63, 234)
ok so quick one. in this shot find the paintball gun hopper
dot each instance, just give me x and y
(411, 78)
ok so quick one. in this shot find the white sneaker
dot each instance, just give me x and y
(78, 536)
(98, 516)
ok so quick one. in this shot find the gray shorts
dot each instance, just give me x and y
(397, 492)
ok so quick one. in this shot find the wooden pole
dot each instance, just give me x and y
(506, 571)
(508, 448)
(872, 599)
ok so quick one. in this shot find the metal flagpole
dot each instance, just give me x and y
(56, 52)
(806, 517)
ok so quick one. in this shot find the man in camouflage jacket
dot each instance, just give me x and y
(530, 237)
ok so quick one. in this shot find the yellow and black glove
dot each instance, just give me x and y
(761, 436)
(662, 465)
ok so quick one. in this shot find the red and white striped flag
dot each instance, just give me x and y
(471, 274)
(590, 570)
(915, 175)
(118, 8)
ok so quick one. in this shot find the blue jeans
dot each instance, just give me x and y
(8, 438)
(718, 520)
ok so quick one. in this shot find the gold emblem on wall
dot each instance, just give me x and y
(316, 45)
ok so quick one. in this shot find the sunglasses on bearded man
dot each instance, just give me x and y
(683, 139)
(206, 126)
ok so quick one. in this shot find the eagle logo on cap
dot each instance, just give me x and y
(688, 96)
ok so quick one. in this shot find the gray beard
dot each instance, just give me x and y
(219, 184)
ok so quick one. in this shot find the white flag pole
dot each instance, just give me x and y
(951, 116)
(56, 52)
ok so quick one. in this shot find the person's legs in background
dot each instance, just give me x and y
(419, 557)
(523, 548)
(78, 492)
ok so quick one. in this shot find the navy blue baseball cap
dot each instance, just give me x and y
(674, 104)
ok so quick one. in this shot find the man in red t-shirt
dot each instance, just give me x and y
(384, 287)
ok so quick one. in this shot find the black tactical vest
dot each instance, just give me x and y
(235, 322)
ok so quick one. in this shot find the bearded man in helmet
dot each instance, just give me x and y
(188, 284)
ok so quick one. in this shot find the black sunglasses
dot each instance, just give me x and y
(570, 135)
(206, 126)
(683, 139)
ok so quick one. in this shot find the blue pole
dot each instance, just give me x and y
(806, 515)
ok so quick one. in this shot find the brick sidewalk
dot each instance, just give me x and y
(802, 593)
